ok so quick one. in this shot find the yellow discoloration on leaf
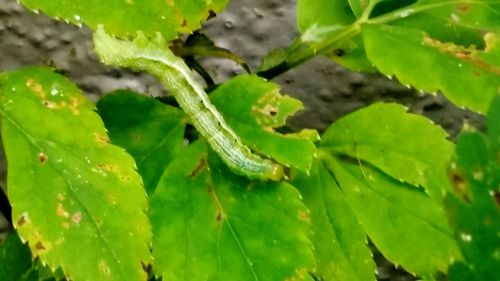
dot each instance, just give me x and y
(104, 268)
(469, 55)
(113, 168)
(73, 106)
(101, 139)
(36, 88)
(49, 104)
(112, 199)
(60, 211)
(108, 167)
(60, 196)
(270, 110)
(38, 244)
(77, 217)
(491, 41)
(304, 216)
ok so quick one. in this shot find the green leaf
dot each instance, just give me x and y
(124, 18)
(430, 44)
(209, 224)
(493, 124)
(461, 22)
(360, 7)
(153, 133)
(15, 260)
(407, 226)
(73, 194)
(430, 65)
(474, 206)
(321, 13)
(253, 108)
(339, 240)
(406, 146)
(352, 54)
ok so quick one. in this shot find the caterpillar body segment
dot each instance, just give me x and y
(155, 57)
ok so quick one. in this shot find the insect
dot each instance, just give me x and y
(153, 56)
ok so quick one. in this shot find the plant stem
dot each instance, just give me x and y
(302, 55)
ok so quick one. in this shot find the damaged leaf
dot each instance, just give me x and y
(254, 108)
(169, 17)
(69, 188)
(210, 224)
(474, 205)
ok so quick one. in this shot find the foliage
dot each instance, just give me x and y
(474, 205)
(128, 190)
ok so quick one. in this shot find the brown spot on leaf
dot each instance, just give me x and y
(125, 178)
(101, 139)
(23, 219)
(170, 3)
(463, 7)
(107, 167)
(184, 23)
(460, 185)
(39, 246)
(42, 157)
(49, 104)
(219, 211)
(199, 167)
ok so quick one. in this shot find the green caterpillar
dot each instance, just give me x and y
(155, 57)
